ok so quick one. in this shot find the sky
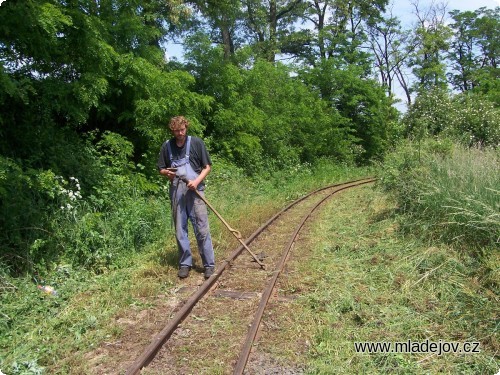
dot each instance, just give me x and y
(402, 9)
(462, 5)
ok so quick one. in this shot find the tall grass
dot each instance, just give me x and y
(447, 192)
(360, 280)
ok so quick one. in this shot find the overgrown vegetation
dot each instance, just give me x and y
(447, 192)
(40, 331)
(86, 92)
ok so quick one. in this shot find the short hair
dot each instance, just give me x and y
(178, 122)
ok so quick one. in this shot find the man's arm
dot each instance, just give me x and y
(163, 163)
(193, 184)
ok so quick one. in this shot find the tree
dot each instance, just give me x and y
(431, 40)
(69, 72)
(462, 51)
(474, 50)
(340, 26)
(224, 18)
(390, 44)
(268, 22)
(366, 112)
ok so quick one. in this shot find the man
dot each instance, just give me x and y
(185, 161)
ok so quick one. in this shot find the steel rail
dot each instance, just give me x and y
(252, 332)
(152, 349)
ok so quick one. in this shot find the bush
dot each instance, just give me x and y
(102, 240)
(474, 121)
(470, 119)
(47, 216)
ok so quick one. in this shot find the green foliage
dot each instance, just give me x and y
(29, 198)
(86, 95)
(265, 117)
(447, 192)
(115, 151)
(157, 95)
(102, 240)
(432, 41)
(115, 218)
(47, 216)
(84, 92)
(474, 121)
(429, 115)
(364, 111)
(474, 49)
(468, 118)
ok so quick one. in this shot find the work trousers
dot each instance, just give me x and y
(186, 205)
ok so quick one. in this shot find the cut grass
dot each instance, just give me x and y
(42, 334)
(59, 330)
(358, 280)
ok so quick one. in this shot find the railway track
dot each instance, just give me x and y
(234, 299)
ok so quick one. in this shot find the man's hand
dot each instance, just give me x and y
(168, 173)
(193, 184)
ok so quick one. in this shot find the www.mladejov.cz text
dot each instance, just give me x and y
(415, 347)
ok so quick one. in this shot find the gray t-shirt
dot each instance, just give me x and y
(198, 155)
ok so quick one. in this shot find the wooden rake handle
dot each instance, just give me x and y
(235, 232)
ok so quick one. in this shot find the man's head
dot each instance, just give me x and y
(178, 122)
(178, 126)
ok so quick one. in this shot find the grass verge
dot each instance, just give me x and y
(357, 279)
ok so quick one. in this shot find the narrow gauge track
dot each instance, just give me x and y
(234, 298)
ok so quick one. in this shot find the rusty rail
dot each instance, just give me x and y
(252, 332)
(150, 352)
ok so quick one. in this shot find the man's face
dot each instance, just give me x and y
(179, 133)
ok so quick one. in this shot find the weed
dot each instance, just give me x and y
(453, 197)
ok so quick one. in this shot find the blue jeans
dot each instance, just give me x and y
(186, 205)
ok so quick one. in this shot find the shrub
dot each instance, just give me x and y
(470, 119)
(474, 121)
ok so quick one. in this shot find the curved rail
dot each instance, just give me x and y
(150, 352)
(252, 332)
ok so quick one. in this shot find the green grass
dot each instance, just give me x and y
(40, 331)
(369, 283)
(45, 334)
(366, 282)
(447, 192)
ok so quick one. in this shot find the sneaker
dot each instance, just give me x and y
(183, 272)
(209, 271)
